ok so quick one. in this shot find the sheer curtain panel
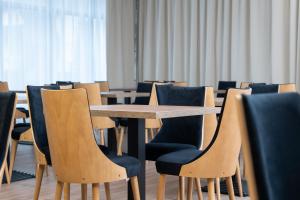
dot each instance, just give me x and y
(42, 41)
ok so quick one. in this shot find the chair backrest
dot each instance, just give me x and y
(4, 87)
(185, 130)
(225, 85)
(264, 89)
(75, 155)
(143, 87)
(181, 84)
(37, 119)
(222, 153)
(104, 86)
(65, 83)
(289, 87)
(93, 92)
(7, 111)
(245, 85)
(271, 138)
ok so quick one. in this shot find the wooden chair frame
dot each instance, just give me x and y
(289, 87)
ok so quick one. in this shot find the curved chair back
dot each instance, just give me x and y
(143, 88)
(7, 111)
(184, 130)
(181, 84)
(4, 87)
(271, 138)
(263, 88)
(76, 157)
(65, 83)
(245, 85)
(223, 151)
(289, 87)
(94, 98)
(37, 119)
(104, 86)
(225, 85)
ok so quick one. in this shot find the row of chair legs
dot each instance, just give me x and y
(60, 186)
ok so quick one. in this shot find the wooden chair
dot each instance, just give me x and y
(39, 133)
(181, 84)
(101, 123)
(75, 154)
(7, 112)
(225, 85)
(104, 87)
(218, 160)
(245, 85)
(270, 141)
(289, 87)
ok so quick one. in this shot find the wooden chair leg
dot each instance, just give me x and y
(14, 146)
(95, 191)
(107, 191)
(218, 190)
(161, 187)
(1, 175)
(66, 191)
(135, 188)
(102, 140)
(211, 189)
(190, 189)
(58, 191)
(198, 188)
(84, 191)
(38, 180)
(239, 180)
(181, 188)
(146, 135)
(46, 170)
(8, 178)
(120, 141)
(151, 133)
(230, 188)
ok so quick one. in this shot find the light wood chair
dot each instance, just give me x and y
(245, 85)
(289, 87)
(104, 87)
(101, 123)
(75, 154)
(181, 84)
(7, 112)
(218, 160)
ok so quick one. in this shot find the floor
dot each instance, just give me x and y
(23, 190)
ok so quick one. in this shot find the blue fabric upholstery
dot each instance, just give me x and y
(171, 163)
(131, 164)
(225, 85)
(7, 102)
(263, 89)
(273, 122)
(37, 118)
(19, 129)
(186, 131)
(143, 88)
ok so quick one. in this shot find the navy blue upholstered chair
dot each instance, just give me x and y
(271, 125)
(177, 133)
(225, 85)
(7, 107)
(218, 160)
(143, 87)
(41, 145)
(263, 88)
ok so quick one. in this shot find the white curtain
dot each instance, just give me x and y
(203, 41)
(42, 41)
(121, 66)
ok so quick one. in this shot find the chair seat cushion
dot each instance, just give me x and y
(155, 150)
(171, 163)
(19, 129)
(25, 111)
(131, 164)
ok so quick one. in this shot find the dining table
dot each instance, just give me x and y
(113, 96)
(136, 115)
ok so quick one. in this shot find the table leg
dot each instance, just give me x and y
(136, 148)
(112, 101)
(127, 100)
(111, 135)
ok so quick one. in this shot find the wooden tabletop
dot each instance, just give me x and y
(150, 112)
(122, 94)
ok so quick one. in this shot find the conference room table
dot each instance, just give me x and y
(136, 115)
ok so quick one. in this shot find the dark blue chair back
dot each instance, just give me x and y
(62, 83)
(273, 123)
(37, 118)
(184, 130)
(143, 88)
(7, 103)
(225, 85)
(263, 89)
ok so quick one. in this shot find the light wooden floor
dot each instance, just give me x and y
(23, 190)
